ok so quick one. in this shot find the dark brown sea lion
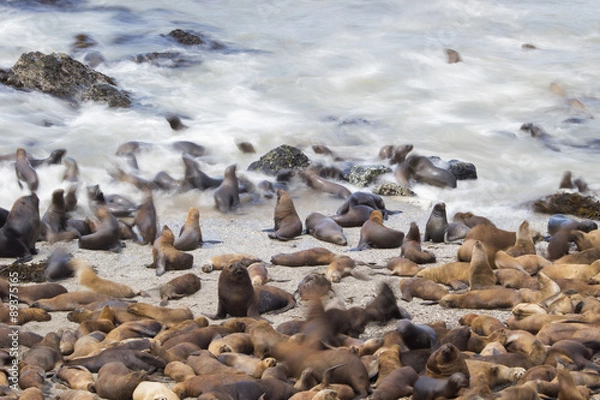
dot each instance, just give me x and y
(453, 56)
(54, 225)
(481, 275)
(325, 228)
(354, 217)
(427, 388)
(29, 294)
(560, 244)
(416, 336)
(287, 222)
(384, 306)
(227, 196)
(106, 237)
(398, 383)
(116, 381)
(190, 235)
(437, 224)
(87, 277)
(314, 181)
(371, 200)
(183, 285)
(165, 257)
(445, 361)
(411, 247)
(422, 288)
(373, 234)
(145, 219)
(57, 266)
(45, 354)
(236, 293)
(312, 256)
(196, 178)
(25, 172)
(21, 229)
(559, 222)
(422, 170)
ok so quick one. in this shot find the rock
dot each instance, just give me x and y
(59, 75)
(392, 189)
(462, 170)
(569, 203)
(282, 158)
(193, 39)
(364, 175)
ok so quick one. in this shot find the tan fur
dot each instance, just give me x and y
(153, 391)
(88, 278)
(167, 316)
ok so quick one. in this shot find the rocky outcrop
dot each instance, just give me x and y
(282, 158)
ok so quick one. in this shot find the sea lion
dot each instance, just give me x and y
(227, 196)
(145, 219)
(398, 383)
(236, 293)
(437, 224)
(29, 294)
(117, 205)
(342, 266)
(371, 200)
(491, 298)
(492, 236)
(77, 377)
(354, 217)
(416, 336)
(194, 176)
(455, 231)
(523, 242)
(411, 247)
(314, 286)
(220, 261)
(259, 275)
(21, 229)
(384, 306)
(168, 316)
(287, 222)
(325, 228)
(454, 274)
(445, 361)
(237, 342)
(314, 181)
(165, 257)
(153, 391)
(69, 301)
(57, 266)
(116, 381)
(312, 256)
(54, 225)
(26, 174)
(582, 257)
(586, 240)
(453, 56)
(32, 393)
(422, 170)
(176, 288)
(422, 288)
(572, 271)
(190, 235)
(401, 266)
(529, 263)
(253, 366)
(484, 375)
(87, 277)
(373, 234)
(106, 237)
(45, 354)
(427, 388)
(559, 222)
(24, 315)
(481, 275)
(560, 244)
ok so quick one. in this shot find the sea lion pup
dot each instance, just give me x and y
(287, 222)
(165, 257)
(491, 298)
(437, 224)
(251, 365)
(168, 316)
(422, 170)
(153, 391)
(21, 230)
(25, 172)
(54, 225)
(559, 244)
(371, 200)
(190, 235)
(427, 388)
(116, 381)
(221, 261)
(454, 274)
(481, 275)
(411, 247)
(523, 243)
(422, 288)
(178, 371)
(259, 275)
(237, 342)
(373, 234)
(341, 267)
(384, 306)
(325, 228)
(177, 288)
(398, 383)
(310, 257)
(227, 195)
(445, 361)
(516, 279)
(314, 286)
(76, 377)
(194, 176)
(69, 301)
(106, 237)
(145, 219)
(32, 393)
(87, 277)
(401, 266)
(316, 182)
(530, 263)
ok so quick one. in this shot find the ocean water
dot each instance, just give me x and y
(351, 75)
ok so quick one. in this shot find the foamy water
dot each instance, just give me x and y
(351, 75)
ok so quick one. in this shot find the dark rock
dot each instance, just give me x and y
(569, 203)
(364, 175)
(193, 39)
(61, 76)
(281, 158)
(83, 41)
(392, 189)
(462, 170)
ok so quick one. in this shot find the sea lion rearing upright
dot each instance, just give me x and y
(288, 224)
(227, 196)
(165, 257)
(190, 235)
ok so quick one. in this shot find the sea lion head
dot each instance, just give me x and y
(376, 216)
(236, 272)
(193, 214)
(167, 235)
(413, 232)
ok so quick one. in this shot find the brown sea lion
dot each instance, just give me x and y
(491, 298)
(236, 293)
(88, 278)
(165, 257)
(190, 235)
(453, 56)
(24, 315)
(427, 388)
(32, 393)
(481, 324)
(314, 181)
(25, 172)
(529, 263)
(398, 383)
(287, 222)
(29, 294)
(45, 354)
(422, 170)
(411, 247)
(153, 391)
(582, 257)
(116, 381)
(237, 342)
(455, 232)
(31, 375)
(221, 261)
(259, 275)
(312, 256)
(77, 377)
(227, 196)
(21, 230)
(54, 225)
(384, 306)
(586, 240)
(71, 173)
(176, 288)
(354, 217)
(168, 316)
(251, 365)
(572, 271)
(523, 243)
(401, 266)
(145, 219)
(559, 244)
(416, 336)
(481, 275)
(437, 224)
(454, 274)
(422, 288)
(371, 200)
(493, 237)
(69, 301)
(445, 361)
(106, 237)
(195, 177)
(178, 371)
(343, 266)
(484, 376)
(314, 286)
(325, 228)
(470, 219)
(373, 234)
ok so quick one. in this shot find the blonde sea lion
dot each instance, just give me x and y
(586, 240)
(343, 266)
(227, 197)
(77, 377)
(325, 228)
(26, 174)
(182, 286)
(523, 243)
(582, 257)
(259, 275)
(491, 298)
(190, 235)
(251, 365)
(287, 222)
(481, 324)
(422, 288)
(401, 266)
(165, 257)
(24, 315)
(221, 261)
(437, 224)
(168, 316)
(69, 301)
(529, 263)
(481, 275)
(87, 277)
(153, 391)
(454, 274)
(373, 234)
(237, 342)
(572, 271)
(411, 247)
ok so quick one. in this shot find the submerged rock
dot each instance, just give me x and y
(194, 39)
(462, 170)
(364, 175)
(282, 158)
(59, 75)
